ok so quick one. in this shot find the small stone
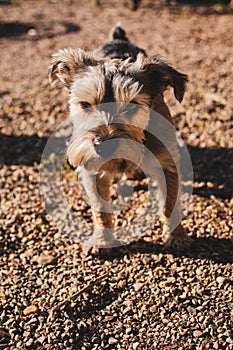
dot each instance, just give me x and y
(197, 334)
(41, 339)
(30, 310)
(164, 320)
(146, 260)
(138, 286)
(108, 318)
(32, 32)
(26, 334)
(198, 271)
(191, 310)
(3, 333)
(128, 330)
(201, 184)
(220, 280)
(112, 341)
(29, 342)
(153, 308)
(211, 97)
(46, 259)
(135, 345)
(229, 340)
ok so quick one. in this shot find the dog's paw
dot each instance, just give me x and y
(178, 241)
(99, 246)
(97, 251)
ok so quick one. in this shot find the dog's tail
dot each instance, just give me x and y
(117, 33)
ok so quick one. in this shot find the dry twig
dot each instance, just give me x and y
(76, 295)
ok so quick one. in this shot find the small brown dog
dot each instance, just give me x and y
(113, 92)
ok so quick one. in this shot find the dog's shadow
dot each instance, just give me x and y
(211, 249)
(212, 165)
(219, 250)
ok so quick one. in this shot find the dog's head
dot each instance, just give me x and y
(110, 102)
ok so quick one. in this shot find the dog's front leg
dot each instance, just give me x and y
(97, 188)
(175, 235)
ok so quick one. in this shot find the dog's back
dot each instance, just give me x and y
(118, 46)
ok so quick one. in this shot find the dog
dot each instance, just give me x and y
(113, 90)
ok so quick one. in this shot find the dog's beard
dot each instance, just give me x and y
(81, 152)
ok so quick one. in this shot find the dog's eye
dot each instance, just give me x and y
(85, 104)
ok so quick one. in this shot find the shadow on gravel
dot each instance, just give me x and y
(215, 166)
(179, 7)
(36, 31)
(21, 150)
(202, 7)
(13, 29)
(206, 3)
(6, 2)
(210, 165)
(219, 250)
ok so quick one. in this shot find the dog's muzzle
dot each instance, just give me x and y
(106, 148)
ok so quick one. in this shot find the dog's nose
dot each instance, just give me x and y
(106, 148)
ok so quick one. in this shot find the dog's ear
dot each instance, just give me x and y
(66, 63)
(156, 76)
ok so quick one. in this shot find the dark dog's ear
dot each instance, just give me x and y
(117, 33)
(66, 63)
(156, 76)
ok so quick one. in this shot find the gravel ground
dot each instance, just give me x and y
(144, 297)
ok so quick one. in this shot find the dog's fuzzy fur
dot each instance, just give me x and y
(122, 73)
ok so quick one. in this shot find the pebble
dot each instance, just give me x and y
(221, 280)
(30, 309)
(128, 330)
(153, 308)
(32, 32)
(138, 286)
(197, 334)
(112, 341)
(191, 310)
(46, 260)
(30, 342)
